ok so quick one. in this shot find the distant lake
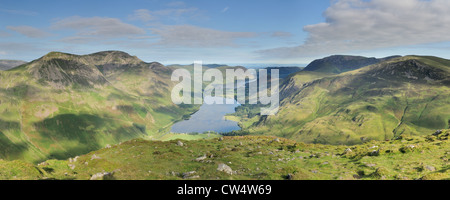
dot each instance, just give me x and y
(209, 118)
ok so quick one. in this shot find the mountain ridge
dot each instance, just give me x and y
(62, 105)
(404, 95)
(343, 63)
(9, 64)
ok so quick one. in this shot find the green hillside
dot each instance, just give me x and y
(62, 105)
(249, 158)
(342, 63)
(402, 96)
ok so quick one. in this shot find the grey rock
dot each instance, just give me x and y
(190, 175)
(94, 157)
(348, 150)
(438, 132)
(72, 166)
(375, 153)
(200, 158)
(290, 177)
(225, 168)
(430, 168)
(102, 176)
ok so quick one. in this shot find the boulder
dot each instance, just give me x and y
(438, 132)
(348, 150)
(102, 176)
(190, 175)
(94, 157)
(375, 153)
(225, 168)
(200, 158)
(290, 177)
(430, 168)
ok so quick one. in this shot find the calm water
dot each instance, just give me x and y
(209, 118)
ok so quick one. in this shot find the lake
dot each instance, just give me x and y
(209, 118)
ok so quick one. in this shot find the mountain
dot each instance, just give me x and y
(221, 68)
(62, 105)
(284, 71)
(401, 96)
(342, 63)
(204, 65)
(215, 65)
(8, 64)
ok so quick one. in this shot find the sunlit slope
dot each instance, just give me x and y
(343, 63)
(403, 96)
(63, 105)
(250, 158)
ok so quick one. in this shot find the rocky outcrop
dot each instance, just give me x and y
(225, 168)
(342, 63)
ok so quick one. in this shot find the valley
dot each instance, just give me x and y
(402, 96)
(109, 115)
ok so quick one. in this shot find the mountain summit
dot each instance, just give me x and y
(62, 105)
(342, 63)
(400, 96)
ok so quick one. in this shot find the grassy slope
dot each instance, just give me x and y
(357, 106)
(38, 121)
(251, 157)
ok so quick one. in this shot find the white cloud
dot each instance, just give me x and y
(143, 15)
(225, 9)
(174, 14)
(28, 31)
(193, 36)
(99, 27)
(354, 25)
(281, 34)
(15, 47)
(4, 34)
(19, 12)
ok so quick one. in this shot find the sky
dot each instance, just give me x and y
(225, 31)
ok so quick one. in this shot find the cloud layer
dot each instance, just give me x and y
(193, 36)
(28, 31)
(353, 25)
(91, 28)
(174, 14)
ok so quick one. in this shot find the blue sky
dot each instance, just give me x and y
(225, 31)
